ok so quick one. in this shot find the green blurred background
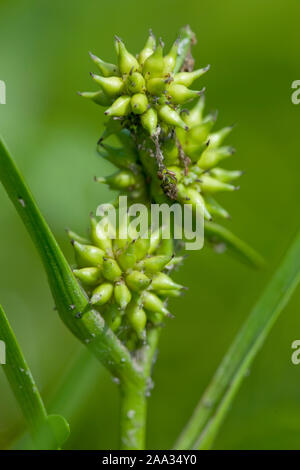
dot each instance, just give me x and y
(253, 48)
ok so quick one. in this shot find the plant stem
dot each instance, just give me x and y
(133, 416)
(134, 398)
(211, 410)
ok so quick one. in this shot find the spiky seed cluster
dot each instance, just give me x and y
(146, 86)
(125, 278)
(167, 153)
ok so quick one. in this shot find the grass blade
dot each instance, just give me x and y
(47, 431)
(210, 412)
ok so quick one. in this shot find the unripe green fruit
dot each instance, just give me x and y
(152, 303)
(174, 261)
(122, 294)
(139, 103)
(200, 133)
(110, 269)
(135, 82)
(166, 247)
(120, 107)
(90, 277)
(112, 86)
(137, 281)
(212, 156)
(154, 65)
(215, 208)
(156, 86)
(217, 138)
(102, 294)
(194, 116)
(99, 97)
(162, 281)
(120, 180)
(188, 195)
(180, 94)
(154, 264)
(148, 49)
(73, 236)
(107, 70)
(99, 237)
(88, 255)
(171, 117)
(141, 247)
(137, 318)
(154, 241)
(225, 175)
(127, 258)
(126, 61)
(169, 293)
(187, 78)
(156, 318)
(149, 120)
(170, 58)
(212, 185)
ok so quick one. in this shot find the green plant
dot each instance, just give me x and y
(117, 308)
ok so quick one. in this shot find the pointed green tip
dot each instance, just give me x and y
(93, 56)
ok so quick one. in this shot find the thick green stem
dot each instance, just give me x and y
(133, 416)
(134, 398)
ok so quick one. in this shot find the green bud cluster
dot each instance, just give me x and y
(126, 279)
(187, 151)
(144, 88)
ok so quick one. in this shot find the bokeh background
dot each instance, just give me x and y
(253, 48)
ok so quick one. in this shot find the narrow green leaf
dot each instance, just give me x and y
(217, 234)
(48, 432)
(72, 304)
(210, 412)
